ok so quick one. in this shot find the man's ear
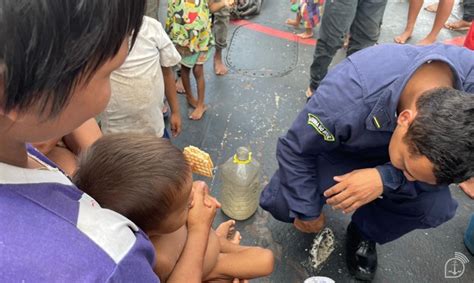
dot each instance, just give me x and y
(406, 117)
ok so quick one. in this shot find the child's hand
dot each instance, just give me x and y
(203, 208)
(293, 1)
(175, 124)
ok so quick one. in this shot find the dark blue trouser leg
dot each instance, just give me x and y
(382, 220)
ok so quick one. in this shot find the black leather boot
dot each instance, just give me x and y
(361, 255)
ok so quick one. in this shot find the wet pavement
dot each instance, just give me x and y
(256, 103)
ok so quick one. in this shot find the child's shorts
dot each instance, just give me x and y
(198, 58)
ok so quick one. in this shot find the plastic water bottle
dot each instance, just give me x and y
(241, 187)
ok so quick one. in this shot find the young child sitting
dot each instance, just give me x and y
(189, 27)
(310, 12)
(149, 181)
(140, 84)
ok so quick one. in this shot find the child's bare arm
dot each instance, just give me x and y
(216, 5)
(170, 93)
(200, 217)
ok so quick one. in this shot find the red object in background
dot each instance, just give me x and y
(469, 42)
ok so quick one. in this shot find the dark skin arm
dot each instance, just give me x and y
(170, 93)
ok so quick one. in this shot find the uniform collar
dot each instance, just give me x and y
(383, 116)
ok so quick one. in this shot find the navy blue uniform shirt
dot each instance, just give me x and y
(352, 115)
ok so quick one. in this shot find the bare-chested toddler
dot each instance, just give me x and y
(148, 180)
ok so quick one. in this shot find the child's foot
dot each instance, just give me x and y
(305, 35)
(198, 112)
(179, 86)
(292, 22)
(426, 41)
(191, 101)
(227, 231)
(432, 8)
(404, 37)
(219, 67)
(458, 25)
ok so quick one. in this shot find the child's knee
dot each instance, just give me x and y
(198, 71)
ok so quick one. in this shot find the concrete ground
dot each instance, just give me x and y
(256, 103)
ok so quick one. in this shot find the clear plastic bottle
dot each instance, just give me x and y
(241, 187)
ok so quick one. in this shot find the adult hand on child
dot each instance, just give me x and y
(175, 124)
(468, 187)
(355, 189)
(203, 209)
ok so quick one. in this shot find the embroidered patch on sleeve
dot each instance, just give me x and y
(314, 121)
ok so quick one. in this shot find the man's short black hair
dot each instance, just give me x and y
(443, 131)
(47, 46)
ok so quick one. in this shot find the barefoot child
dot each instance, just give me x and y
(141, 83)
(189, 27)
(442, 14)
(310, 12)
(149, 181)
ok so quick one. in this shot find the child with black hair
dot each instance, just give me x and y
(189, 27)
(149, 181)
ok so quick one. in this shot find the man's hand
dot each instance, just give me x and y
(468, 187)
(203, 208)
(175, 124)
(355, 189)
(311, 226)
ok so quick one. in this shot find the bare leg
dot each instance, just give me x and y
(296, 22)
(185, 76)
(219, 67)
(413, 11)
(179, 86)
(249, 263)
(198, 72)
(442, 15)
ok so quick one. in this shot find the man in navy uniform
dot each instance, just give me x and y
(383, 135)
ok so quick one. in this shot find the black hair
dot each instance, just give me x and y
(139, 176)
(47, 46)
(443, 131)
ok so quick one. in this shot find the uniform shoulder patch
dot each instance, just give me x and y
(314, 121)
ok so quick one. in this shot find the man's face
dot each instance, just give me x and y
(414, 167)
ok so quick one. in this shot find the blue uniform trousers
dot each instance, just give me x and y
(382, 220)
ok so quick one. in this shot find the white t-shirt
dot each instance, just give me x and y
(138, 87)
